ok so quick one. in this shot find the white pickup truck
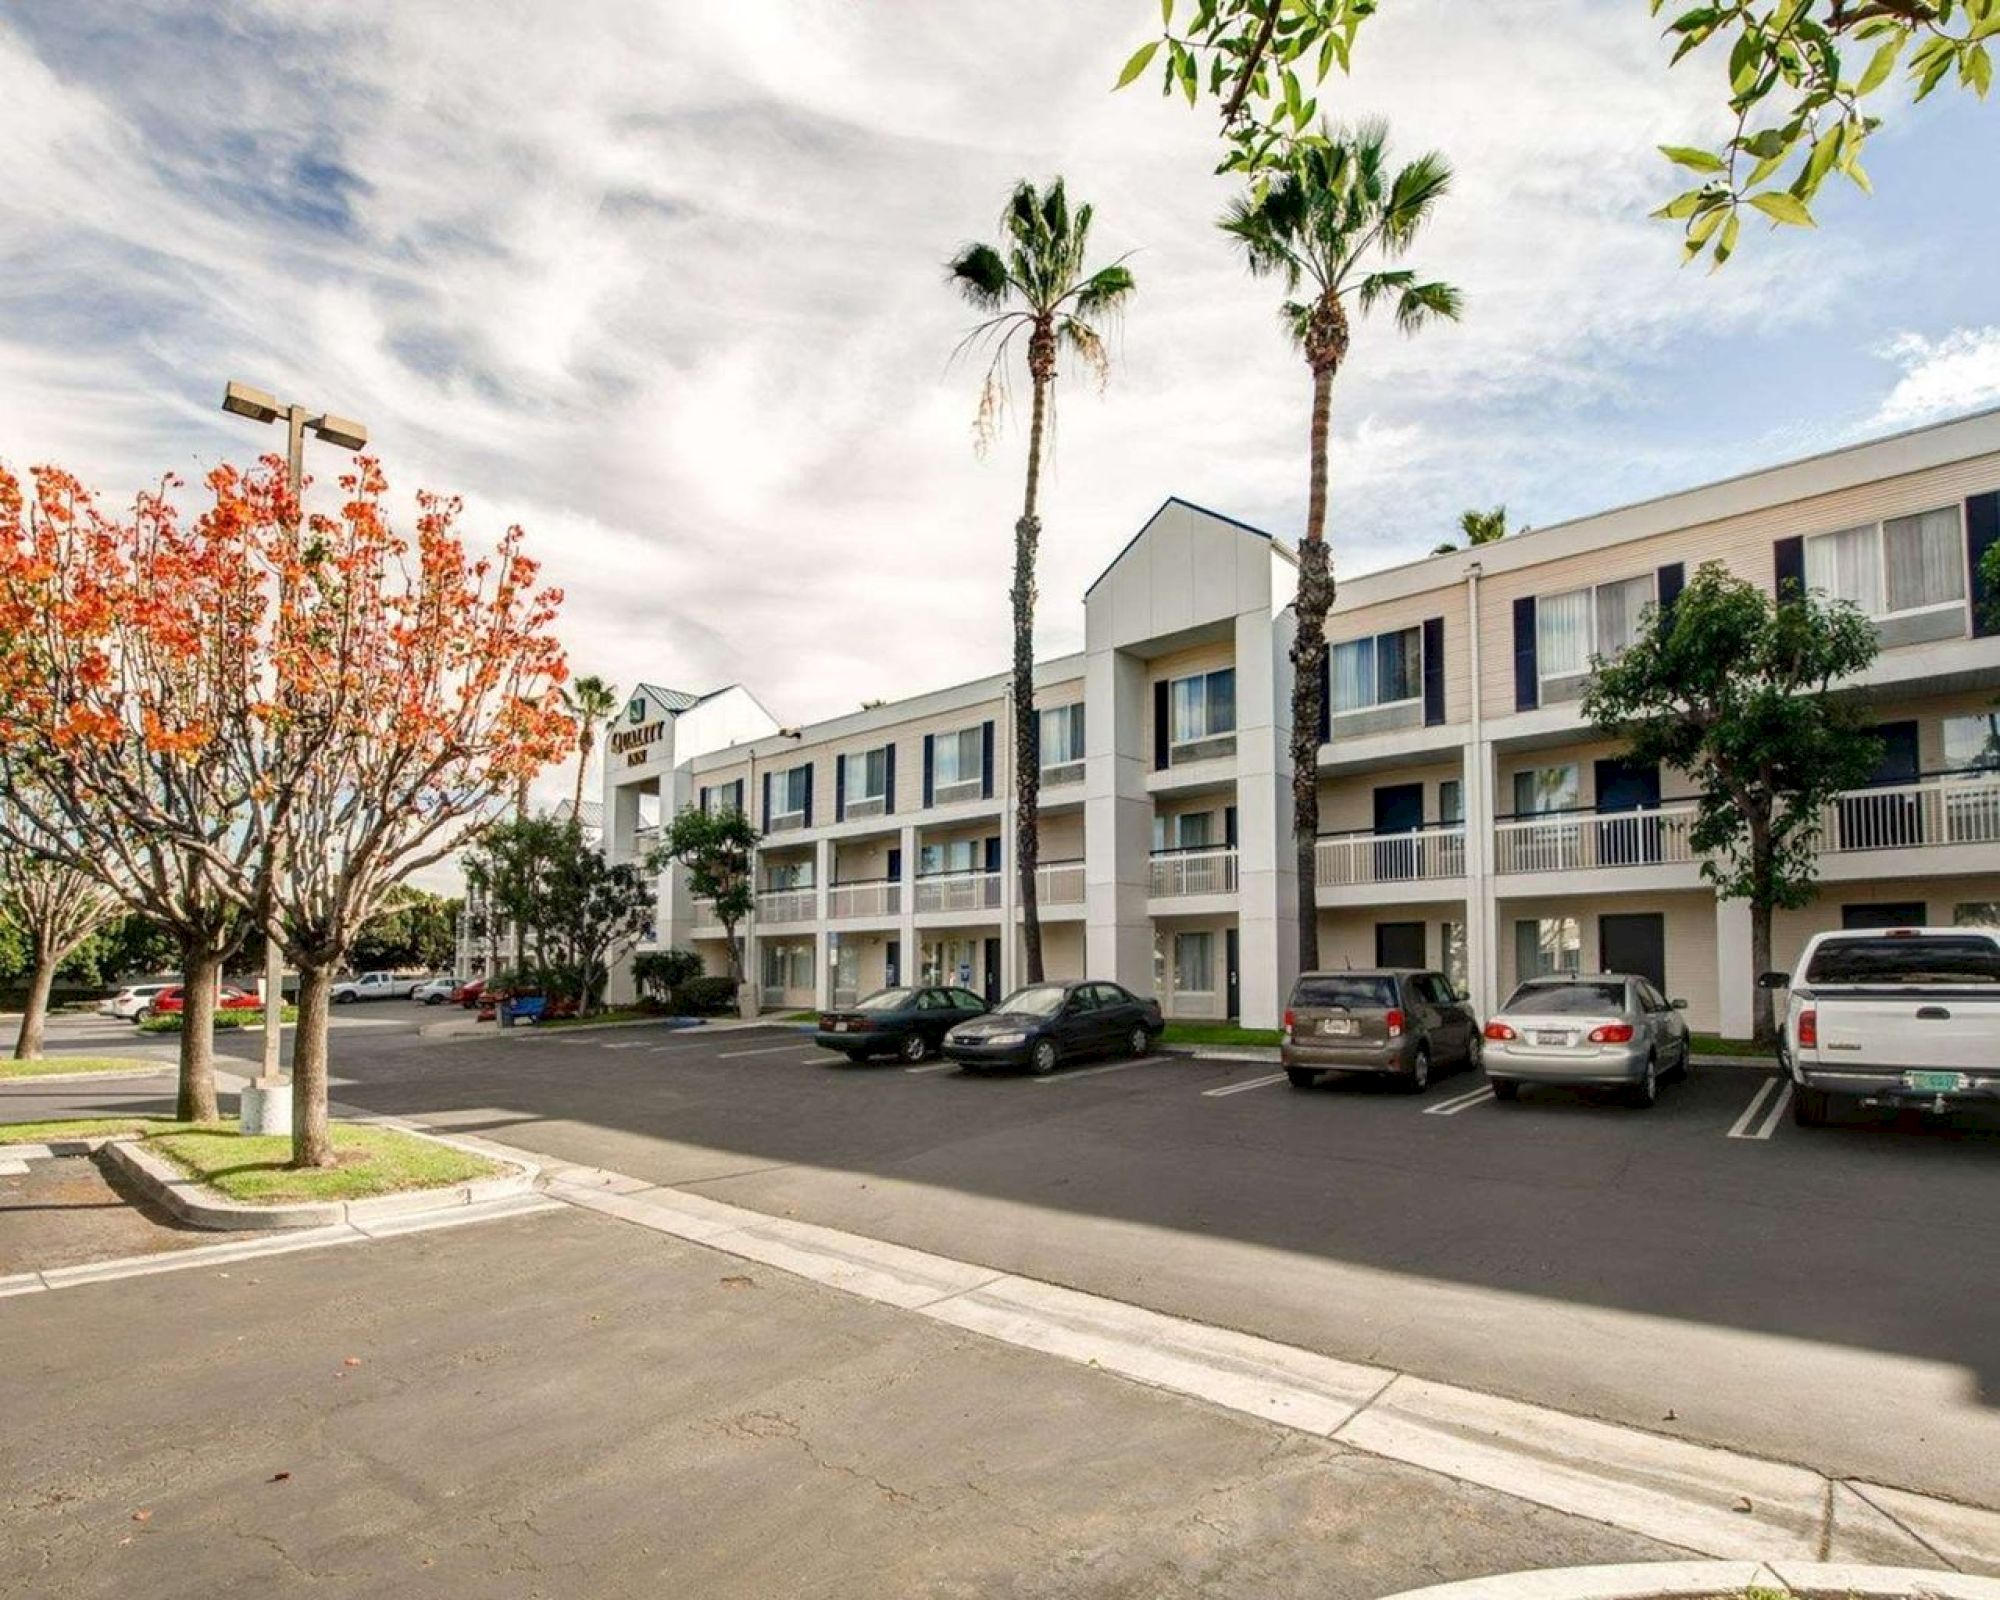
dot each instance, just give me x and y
(1893, 1017)
(376, 986)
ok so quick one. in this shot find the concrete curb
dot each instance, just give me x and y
(201, 1207)
(1664, 1580)
(164, 1065)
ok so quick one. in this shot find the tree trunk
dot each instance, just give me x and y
(35, 1014)
(1315, 599)
(583, 745)
(312, 1144)
(1027, 724)
(1763, 1028)
(201, 975)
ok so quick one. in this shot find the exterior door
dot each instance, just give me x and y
(1884, 914)
(1886, 820)
(1399, 808)
(892, 964)
(1234, 1000)
(992, 990)
(1399, 944)
(1635, 943)
(1627, 786)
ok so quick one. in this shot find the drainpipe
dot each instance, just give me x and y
(1481, 910)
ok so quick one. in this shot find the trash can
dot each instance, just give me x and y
(505, 1013)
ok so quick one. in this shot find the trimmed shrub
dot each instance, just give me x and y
(706, 997)
(224, 1020)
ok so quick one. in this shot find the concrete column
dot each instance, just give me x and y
(1117, 821)
(1735, 983)
(1483, 932)
(906, 899)
(824, 941)
(1267, 886)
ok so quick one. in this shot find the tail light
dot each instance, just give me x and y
(1395, 1021)
(1499, 1030)
(1809, 1029)
(1291, 1020)
(1612, 1033)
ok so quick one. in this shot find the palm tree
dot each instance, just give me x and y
(592, 702)
(1328, 219)
(1479, 527)
(1035, 282)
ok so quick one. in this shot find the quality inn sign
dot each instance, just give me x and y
(635, 741)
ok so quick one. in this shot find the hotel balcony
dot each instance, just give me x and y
(1205, 872)
(1059, 888)
(957, 892)
(1426, 863)
(873, 897)
(777, 907)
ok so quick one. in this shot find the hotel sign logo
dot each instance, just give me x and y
(635, 743)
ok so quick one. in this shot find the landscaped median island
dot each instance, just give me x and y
(52, 1066)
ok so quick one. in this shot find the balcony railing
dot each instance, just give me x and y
(705, 919)
(644, 842)
(1062, 772)
(1059, 883)
(879, 897)
(958, 891)
(1955, 809)
(1391, 857)
(787, 905)
(1208, 870)
(1581, 841)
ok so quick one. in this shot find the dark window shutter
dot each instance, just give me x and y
(1229, 826)
(930, 767)
(889, 779)
(993, 853)
(1160, 726)
(1982, 532)
(1433, 671)
(1326, 697)
(840, 788)
(809, 794)
(1672, 579)
(1527, 676)
(701, 799)
(1789, 560)
(895, 863)
(986, 760)
(767, 800)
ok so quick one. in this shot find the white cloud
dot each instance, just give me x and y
(1957, 372)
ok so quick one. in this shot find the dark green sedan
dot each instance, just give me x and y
(910, 1023)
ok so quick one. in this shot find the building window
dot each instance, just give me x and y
(865, 782)
(1540, 790)
(1451, 802)
(788, 965)
(780, 875)
(952, 961)
(1194, 963)
(1972, 744)
(1189, 830)
(958, 763)
(1202, 707)
(1547, 945)
(1884, 569)
(1976, 914)
(1062, 743)
(789, 791)
(1571, 628)
(1385, 670)
(724, 797)
(955, 855)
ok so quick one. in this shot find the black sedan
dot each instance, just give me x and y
(910, 1023)
(1045, 1024)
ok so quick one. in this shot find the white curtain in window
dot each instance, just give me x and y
(1354, 675)
(874, 775)
(1550, 944)
(1541, 789)
(1562, 633)
(1847, 566)
(1924, 560)
(1194, 963)
(1619, 608)
(1062, 735)
(957, 757)
(1189, 709)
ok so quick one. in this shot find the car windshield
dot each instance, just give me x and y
(1567, 999)
(1355, 991)
(1891, 958)
(1037, 1000)
(886, 1000)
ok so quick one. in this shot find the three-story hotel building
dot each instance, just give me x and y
(1471, 819)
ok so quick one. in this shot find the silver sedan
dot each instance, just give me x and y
(1600, 1030)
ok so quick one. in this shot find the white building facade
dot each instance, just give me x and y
(1471, 821)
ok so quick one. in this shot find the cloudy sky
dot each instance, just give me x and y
(662, 283)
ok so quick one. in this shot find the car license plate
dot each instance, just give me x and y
(1336, 1025)
(1551, 1038)
(840, 1027)
(1934, 1082)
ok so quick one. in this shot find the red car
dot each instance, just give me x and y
(171, 1000)
(467, 994)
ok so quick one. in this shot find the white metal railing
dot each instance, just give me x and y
(705, 917)
(1061, 773)
(787, 905)
(1947, 810)
(1581, 841)
(884, 899)
(1184, 872)
(1059, 883)
(774, 994)
(1391, 857)
(959, 891)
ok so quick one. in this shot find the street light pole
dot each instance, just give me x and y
(265, 1106)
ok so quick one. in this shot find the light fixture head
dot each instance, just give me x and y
(343, 431)
(243, 401)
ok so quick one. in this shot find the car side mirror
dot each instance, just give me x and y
(1773, 980)
(1678, 1005)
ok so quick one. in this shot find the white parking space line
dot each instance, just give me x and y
(1460, 1102)
(1091, 1072)
(768, 1050)
(1741, 1130)
(1241, 1088)
(935, 1066)
(1748, 1126)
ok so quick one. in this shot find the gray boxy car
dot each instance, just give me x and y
(1596, 1030)
(1394, 1022)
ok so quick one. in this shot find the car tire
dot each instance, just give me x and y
(1042, 1058)
(1505, 1088)
(1475, 1052)
(1809, 1106)
(1684, 1068)
(1301, 1077)
(1141, 1041)
(1645, 1094)
(915, 1047)
(1418, 1078)
(343, 999)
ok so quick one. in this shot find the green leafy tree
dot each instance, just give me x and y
(661, 974)
(1329, 222)
(1035, 283)
(415, 928)
(1735, 690)
(512, 867)
(1479, 527)
(591, 702)
(718, 851)
(53, 909)
(1797, 79)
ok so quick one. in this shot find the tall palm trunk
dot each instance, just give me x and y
(1027, 725)
(1326, 345)
(584, 743)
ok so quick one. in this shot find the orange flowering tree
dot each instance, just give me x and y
(126, 651)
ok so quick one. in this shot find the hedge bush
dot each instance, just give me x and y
(706, 997)
(224, 1020)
